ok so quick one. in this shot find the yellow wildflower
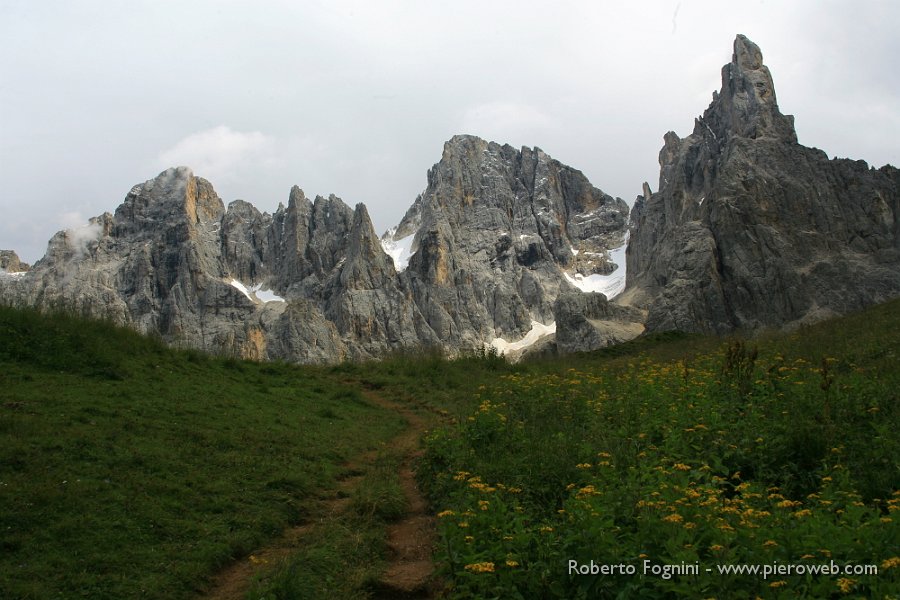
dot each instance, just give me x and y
(674, 518)
(891, 563)
(681, 467)
(778, 584)
(770, 544)
(445, 513)
(588, 490)
(482, 567)
(512, 564)
(845, 584)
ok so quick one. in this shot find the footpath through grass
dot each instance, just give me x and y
(131, 470)
(685, 453)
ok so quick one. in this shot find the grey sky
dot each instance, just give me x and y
(356, 98)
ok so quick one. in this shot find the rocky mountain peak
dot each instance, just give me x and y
(10, 263)
(480, 258)
(173, 195)
(750, 229)
(505, 247)
(296, 196)
(746, 106)
(747, 55)
(498, 234)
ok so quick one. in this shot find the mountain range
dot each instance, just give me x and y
(505, 248)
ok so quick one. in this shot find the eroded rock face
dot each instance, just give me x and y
(494, 235)
(749, 229)
(491, 241)
(10, 263)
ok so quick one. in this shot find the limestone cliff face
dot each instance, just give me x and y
(496, 232)
(750, 229)
(495, 235)
(10, 263)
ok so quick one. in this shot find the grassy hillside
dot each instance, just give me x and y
(128, 469)
(680, 451)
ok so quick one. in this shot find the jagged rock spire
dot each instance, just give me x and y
(746, 106)
(750, 229)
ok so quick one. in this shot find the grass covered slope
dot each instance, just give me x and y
(687, 451)
(129, 469)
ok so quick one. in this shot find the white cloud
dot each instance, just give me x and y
(221, 154)
(80, 232)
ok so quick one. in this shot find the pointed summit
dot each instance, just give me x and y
(750, 229)
(746, 105)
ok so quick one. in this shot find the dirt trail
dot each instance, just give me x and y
(410, 539)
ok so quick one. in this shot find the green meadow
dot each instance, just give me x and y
(128, 469)
(663, 460)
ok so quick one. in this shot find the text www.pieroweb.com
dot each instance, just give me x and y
(666, 571)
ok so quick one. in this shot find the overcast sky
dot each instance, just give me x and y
(356, 98)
